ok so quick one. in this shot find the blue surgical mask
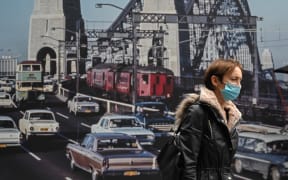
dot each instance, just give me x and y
(230, 92)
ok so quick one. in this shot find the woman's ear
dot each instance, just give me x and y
(214, 80)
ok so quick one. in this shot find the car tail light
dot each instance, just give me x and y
(106, 163)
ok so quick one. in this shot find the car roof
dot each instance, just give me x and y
(2, 118)
(39, 110)
(111, 135)
(264, 137)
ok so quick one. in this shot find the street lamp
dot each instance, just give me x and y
(77, 34)
(134, 41)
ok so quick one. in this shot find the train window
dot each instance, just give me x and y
(26, 84)
(35, 67)
(26, 68)
(145, 78)
(169, 79)
(124, 79)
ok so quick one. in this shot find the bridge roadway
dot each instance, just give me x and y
(42, 157)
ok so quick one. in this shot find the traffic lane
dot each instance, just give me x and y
(31, 162)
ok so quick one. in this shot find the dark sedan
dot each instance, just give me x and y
(112, 154)
(264, 150)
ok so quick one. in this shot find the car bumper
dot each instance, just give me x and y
(131, 173)
(9, 144)
(43, 133)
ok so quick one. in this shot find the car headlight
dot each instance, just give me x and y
(151, 137)
(285, 164)
(79, 107)
(31, 128)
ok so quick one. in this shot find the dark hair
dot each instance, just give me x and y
(219, 68)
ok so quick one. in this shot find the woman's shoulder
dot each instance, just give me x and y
(189, 100)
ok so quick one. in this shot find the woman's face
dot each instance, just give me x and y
(234, 77)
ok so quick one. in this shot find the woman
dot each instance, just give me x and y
(208, 137)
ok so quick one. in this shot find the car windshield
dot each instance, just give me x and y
(41, 116)
(4, 96)
(6, 124)
(117, 123)
(278, 147)
(116, 144)
(81, 99)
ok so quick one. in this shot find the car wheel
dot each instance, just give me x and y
(238, 166)
(274, 173)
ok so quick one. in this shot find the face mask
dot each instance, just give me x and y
(230, 92)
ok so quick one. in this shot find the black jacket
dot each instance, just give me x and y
(207, 144)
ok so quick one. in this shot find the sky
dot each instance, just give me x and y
(15, 17)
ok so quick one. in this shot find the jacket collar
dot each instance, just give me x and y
(208, 97)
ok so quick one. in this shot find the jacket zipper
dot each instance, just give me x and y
(210, 129)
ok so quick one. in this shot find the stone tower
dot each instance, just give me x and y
(172, 49)
(52, 35)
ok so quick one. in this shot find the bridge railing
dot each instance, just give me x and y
(108, 106)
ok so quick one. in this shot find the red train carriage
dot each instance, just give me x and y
(155, 83)
(117, 81)
(100, 78)
(89, 77)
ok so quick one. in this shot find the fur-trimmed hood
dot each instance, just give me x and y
(207, 96)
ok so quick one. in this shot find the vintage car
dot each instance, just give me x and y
(83, 104)
(154, 116)
(112, 154)
(9, 133)
(49, 86)
(6, 100)
(126, 124)
(262, 149)
(7, 87)
(38, 122)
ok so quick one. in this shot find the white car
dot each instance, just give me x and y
(38, 122)
(49, 86)
(83, 104)
(6, 100)
(126, 124)
(9, 134)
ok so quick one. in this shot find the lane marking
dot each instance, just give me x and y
(62, 115)
(68, 178)
(85, 125)
(31, 154)
(68, 139)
